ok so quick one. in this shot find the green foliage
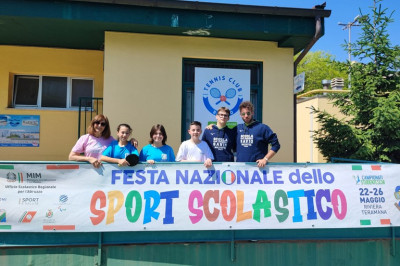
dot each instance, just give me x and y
(318, 66)
(14, 136)
(373, 103)
(334, 135)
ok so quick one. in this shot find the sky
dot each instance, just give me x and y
(343, 11)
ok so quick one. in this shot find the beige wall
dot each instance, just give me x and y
(143, 81)
(58, 128)
(307, 150)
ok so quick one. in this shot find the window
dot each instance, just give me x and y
(189, 66)
(81, 88)
(54, 92)
(50, 92)
(26, 90)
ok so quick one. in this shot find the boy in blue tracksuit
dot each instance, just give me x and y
(220, 138)
(253, 138)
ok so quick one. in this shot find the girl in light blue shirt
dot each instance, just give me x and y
(157, 150)
(118, 150)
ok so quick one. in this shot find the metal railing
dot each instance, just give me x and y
(345, 160)
(88, 108)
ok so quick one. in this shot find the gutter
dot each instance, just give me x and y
(218, 7)
(308, 93)
(317, 35)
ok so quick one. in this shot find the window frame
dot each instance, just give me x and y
(38, 104)
(254, 88)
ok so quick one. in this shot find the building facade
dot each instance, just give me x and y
(138, 57)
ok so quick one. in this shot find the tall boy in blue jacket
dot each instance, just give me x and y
(220, 138)
(253, 138)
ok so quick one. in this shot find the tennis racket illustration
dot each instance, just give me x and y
(229, 94)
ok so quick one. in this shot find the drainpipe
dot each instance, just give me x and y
(318, 34)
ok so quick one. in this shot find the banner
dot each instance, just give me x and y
(187, 196)
(220, 87)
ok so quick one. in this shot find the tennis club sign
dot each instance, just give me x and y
(220, 87)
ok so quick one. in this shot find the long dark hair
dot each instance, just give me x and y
(124, 125)
(153, 131)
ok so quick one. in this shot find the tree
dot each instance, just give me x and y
(318, 66)
(372, 130)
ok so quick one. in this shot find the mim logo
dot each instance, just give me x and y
(34, 175)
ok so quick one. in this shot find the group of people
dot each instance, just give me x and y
(250, 141)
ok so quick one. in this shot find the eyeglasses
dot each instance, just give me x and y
(247, 113)
(223, 115)
(103, 124)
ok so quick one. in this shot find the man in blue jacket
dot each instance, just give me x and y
(220, 138)
(253, 138)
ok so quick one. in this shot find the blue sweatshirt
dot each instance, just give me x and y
(222, 143)
(253, 141)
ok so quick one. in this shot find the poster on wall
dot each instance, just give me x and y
(19, 130)
(220, 87)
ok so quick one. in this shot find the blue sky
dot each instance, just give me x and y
(342, 11)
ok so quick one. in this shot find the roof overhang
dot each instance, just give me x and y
(81, 24)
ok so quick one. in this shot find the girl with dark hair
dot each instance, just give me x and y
(157, 150)
(121, 148)
(92, 144)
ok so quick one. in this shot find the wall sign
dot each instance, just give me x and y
(219, 87)
(19, 130)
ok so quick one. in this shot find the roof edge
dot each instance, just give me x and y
(217, 7)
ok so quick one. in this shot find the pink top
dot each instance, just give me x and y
(91, 146)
